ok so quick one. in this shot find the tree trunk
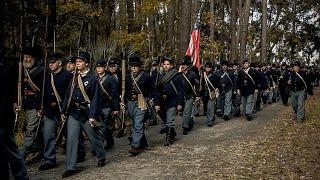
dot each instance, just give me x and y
(153, 32)
(130, 13)
(52, 20)
(185, 24)
(293, 44)
(244, 23)
(212, 25)
(138, 17)
(264, 32)
(108, 12)
(222, 37)
(170, 28)
(234, 42)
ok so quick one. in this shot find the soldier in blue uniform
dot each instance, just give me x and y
(210, 91)
(208, 69)
(191, 95)
(70, 66)
(247, 82)
(262, 86)
(84, 96)
(138, 88)
(10, 155)
(268, 95)
(283, 84)
(227, 82)
(110, 101)
(56, 86)
(275, 74)
(236, 99)
(155, 72)
(169, 98)
(32, 85)
(298, 85)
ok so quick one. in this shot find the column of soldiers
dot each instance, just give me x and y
(81, 100)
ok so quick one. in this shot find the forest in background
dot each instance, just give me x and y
(259, 30)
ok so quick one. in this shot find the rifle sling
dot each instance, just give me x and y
(56, 94)
(304, 82)
(247, 73)
(189, 83)
(102, 80)
(30, 82)
(83, 91)
(135, 80)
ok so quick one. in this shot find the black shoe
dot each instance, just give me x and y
(108, 147)
(226, 118)
(237, 114)
(163, 130)
(101, 162)
(210, 125)
(185, 131)
(68, 173)
(46, 166)
(249, 117)
(134, 151)
(172, 132)
(130, 139)
(81, 159)
(93, 153)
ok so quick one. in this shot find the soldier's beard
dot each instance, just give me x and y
(28, 65)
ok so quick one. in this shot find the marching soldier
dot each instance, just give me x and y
(56, 87)
(138, 89)
(247, 87)
(70, 66)
(208, 69)
(33, 77)
(191, 86)
(268, 95)
(262, 86)
(169, 98)
(298, 85)
(83, 96)
(283, 84)
(227, 82)
(110, 101)
(236, 99)
(210, 92)
(154, 73)
(275, 74)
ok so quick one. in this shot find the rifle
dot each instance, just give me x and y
(123, 88)
(19, 100)
(67, 108)
(44, 75)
